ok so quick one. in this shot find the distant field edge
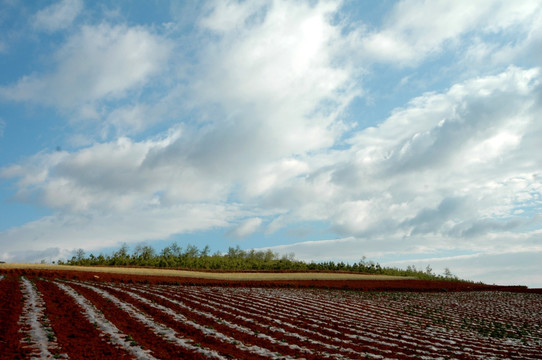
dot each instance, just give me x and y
(317, 280)
(221, 275)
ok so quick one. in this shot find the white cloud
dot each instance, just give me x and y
(129, 119)
(450, 169)
(506, 264)
(229, 15)
(96, 63)
(256, 107)
(274, 175)
(34, 256)
(271, 75)
(246, 228)
(525, 49)
(415, 30)
(94, 230)
(448, 172)
(58, 16)
(507, 268)
(103, 176)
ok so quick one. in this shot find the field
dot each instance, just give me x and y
(240, 275)
(46, 313)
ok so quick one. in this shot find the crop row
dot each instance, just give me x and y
(45, 319)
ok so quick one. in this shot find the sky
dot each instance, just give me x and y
(408, 132)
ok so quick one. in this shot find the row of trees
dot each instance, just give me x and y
(192, 257)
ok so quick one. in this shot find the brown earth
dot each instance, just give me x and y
(79, 339)
(209, 274)
(359, 285)
(78, 342)
(10, 310)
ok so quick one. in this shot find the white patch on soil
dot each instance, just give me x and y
(158, 328)
(95, 317)
(210, 332)
(40, 336)
(221, 308)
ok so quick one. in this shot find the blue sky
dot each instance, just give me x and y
(404, 131)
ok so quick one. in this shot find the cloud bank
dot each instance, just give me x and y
(247, 122)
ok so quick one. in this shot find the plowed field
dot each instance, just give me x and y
(86, 316)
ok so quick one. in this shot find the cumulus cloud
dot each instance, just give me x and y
(246, 228)
(415, 30)
(513, 258)
(421, 171)
(34, 256)
(432, 167)
(258, 141)
(266, 112)
(95, 63)
(380, 189)
(103, 176)
(94, 230)
(509, 268)
(273, 74)
(57, 16)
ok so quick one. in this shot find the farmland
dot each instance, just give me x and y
(81, 315)
(239, 275)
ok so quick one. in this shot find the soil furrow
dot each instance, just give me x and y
(77, 336)
(289, 336)
(252, 335)
(206, 332)
(94, 317)
(141, 329)
(363, 328)
(444, 329)
(319, 333)
(288, 332)
(445, 336)
(11, 308)
(39, 338)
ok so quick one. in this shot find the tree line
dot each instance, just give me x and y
(191, 257)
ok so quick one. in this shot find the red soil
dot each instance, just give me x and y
(79, 339)
(187, 331)
(301, 325)
(344, 323)
(359, 285)
(218, 325)
(11, 306)
(141, 334)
